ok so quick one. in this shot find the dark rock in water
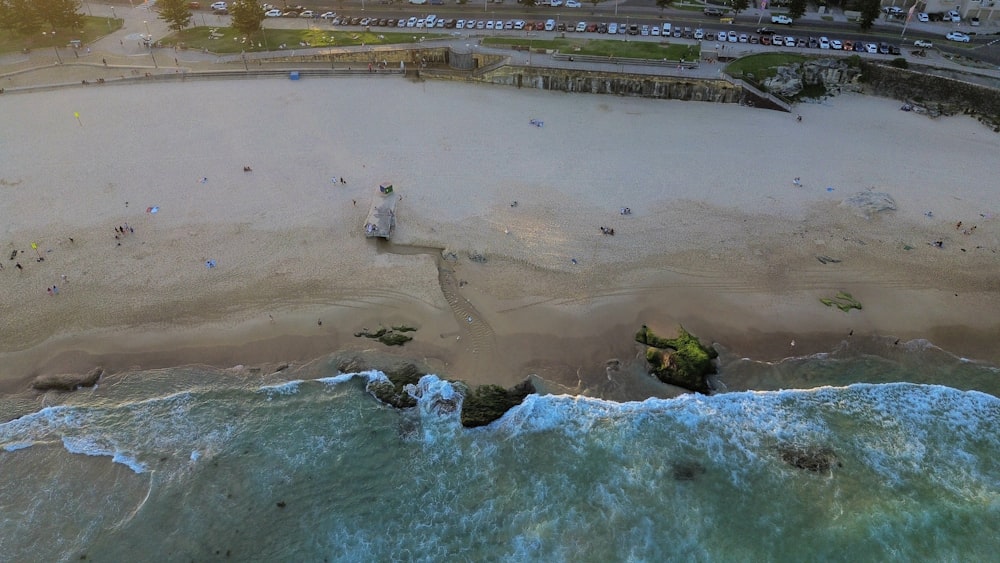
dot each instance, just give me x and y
(683, 361)
(281, 504)
(817, 460)
(282, 367)
(687, 471)
(67, 382)
(486, 403)
(393, 392)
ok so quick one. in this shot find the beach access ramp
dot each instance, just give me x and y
(382, 213)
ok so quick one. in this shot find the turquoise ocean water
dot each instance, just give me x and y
(202, 464)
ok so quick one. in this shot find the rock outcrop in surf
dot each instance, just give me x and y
(67, 381)
(486, 403)
(683, 361)
(481, 405)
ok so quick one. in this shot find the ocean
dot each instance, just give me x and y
(198, 464)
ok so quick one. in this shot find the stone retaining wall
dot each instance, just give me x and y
(596, 82)
(949, 95)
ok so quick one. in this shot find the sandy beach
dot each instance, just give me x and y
(719, 238)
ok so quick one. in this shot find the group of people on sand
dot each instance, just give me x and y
(607, 231)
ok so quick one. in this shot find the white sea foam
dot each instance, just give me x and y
(286, 388)
(370, 376)
(94, 447)
(14, 446)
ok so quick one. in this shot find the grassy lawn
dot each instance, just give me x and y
(93, 29)
(605, 48)
(232, 41)
(763, 65)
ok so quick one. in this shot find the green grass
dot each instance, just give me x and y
(763, 65)
(605, 48)
(92, 29)
(269, 39)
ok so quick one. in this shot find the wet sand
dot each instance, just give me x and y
(719, 238)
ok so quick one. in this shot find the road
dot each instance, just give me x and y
(984, 47)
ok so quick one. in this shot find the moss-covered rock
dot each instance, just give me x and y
(486, 403)
(683, 361)
(843, 301)
(394, 339)
(388, 337)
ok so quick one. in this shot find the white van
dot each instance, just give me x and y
(550, 25)
(430, 20)
(666, 29)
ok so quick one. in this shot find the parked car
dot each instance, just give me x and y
(788, 41)
(824, 43)
(732, 37)
(581, 26)
(655, 31)
(572, 4)
(743, 38)
(550, 25)
(974, 22)
(612, 28)
(954, 16)
(776, 40)
(923, 17)
(883, 48)
(714, 12)
(273, 13)
(958, 36)
(327, 15)
(923, 43)
(836, 44)
(220, 6)
(699, 34)
(871, 48)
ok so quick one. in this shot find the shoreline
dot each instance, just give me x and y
(724, 246)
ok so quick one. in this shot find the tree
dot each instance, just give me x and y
(248, 15)
(177, 13)
(528, 3)
(796, 9)
(663, 4)
(869, 13)
(20, 16)
(58, 13)
(739, 6)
